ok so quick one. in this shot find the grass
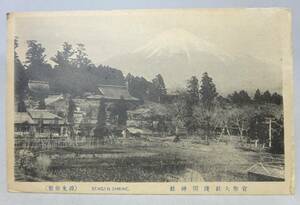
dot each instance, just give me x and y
(153, 162)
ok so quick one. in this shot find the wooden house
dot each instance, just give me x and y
(24, 124)
(46, 122)
(112, 93)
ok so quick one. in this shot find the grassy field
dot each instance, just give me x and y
(152, 160)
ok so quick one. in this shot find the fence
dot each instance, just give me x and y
(45, 143)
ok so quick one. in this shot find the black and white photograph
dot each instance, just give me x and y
(168, 96)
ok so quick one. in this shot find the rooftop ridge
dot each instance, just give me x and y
(38, 81)
(115, 86)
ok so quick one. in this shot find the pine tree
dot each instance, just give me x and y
(191, 100)
(81, 60)
(257, 96)
(159, 85)
(276, 99)
(240, 98)
(266, 97)
(71, 110)
(21, 80)
(208, 91)
(70, 116)
(36, 63)
(278, 136)
(193, 91)
(101, 131)
(35, 55)
(63, 58)
(122, 111)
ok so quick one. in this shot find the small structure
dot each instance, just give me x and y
(260, 172)
(38, 87)
(47, 122)
(57, 104)
(112, 93)
(23, 123)
(51, 99)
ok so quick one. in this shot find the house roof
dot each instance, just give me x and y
(53, 98)
(261, 169)
(113, 92)
(23, 117)
(43, 114)
(38, 86)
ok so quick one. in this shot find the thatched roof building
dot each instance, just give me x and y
(112, 92)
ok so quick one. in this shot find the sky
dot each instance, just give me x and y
(253, 33)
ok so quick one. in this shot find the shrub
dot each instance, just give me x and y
(42, 164)
(25, 161)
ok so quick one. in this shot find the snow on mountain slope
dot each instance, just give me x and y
(178, 54)
(176, 41)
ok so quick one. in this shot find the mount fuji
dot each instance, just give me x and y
(178, 54)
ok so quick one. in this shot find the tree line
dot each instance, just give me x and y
(74, 73)
(242, 97)
(199, 108)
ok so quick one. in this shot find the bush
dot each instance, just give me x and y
(42, 164)
(25, 161)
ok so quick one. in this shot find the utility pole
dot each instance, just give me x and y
(269, 122)
(270, 132)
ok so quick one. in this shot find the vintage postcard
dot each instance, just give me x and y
(174, 101)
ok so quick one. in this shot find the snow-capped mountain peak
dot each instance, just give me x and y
(178, 41)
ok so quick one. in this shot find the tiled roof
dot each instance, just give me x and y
(43, 114)
(53, 98)
(114, 92)
(38, 86)
(23, 117)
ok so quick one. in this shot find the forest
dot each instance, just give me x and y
(74, 73)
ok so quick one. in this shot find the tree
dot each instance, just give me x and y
(190, 121)
(71, 110)
(278, 136)
(234, 97)
(64, 58)
(193, 91)
(276, 98)
(122, 116)
(240, 98)
(208, 91)
(258, 129)
(205, 120)
(21, 80)
(159, 86)
(177, 109)
(266, 97)
(81, 58)
(191, 100)
(36, 63)
(240, 117)
(101, 131)
(120, 110)
(244, 97)
(222, 101)
(140, 88)
(70, 115)
(35, 54)
(257, 96)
